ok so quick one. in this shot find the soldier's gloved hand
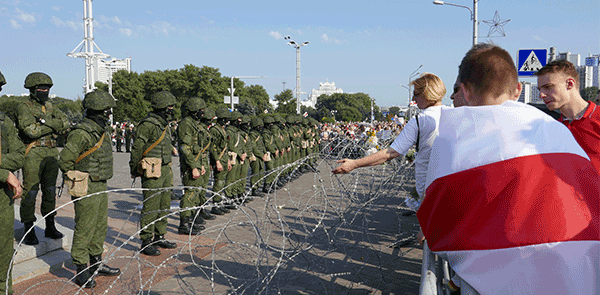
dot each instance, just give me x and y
(55, 124)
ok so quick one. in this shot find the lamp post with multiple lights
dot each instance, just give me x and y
(298, 90)
(473, 15)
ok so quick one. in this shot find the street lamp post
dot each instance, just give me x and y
(372, 101)
(410, 77)
(298, 89)
(231, 90)
(473, 15)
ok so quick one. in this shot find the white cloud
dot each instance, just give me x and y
(328, 39)
(163, 27)
(149, 12)
(56, 8)
(60, 23)
(15, 24)
(275, 35)
(126, 32)
(116, 20)
(24, 16)
(57, 21)
(73, 25)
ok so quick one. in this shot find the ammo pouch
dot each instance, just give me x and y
(150, 167)
(77, 183)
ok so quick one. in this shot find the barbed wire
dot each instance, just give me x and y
(321, 234)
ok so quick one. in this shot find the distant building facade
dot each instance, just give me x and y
(106, 68)
(327, 88)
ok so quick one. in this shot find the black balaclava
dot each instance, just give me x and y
(101, 118)
(222, 121)
(166, 114)
(199, 115)
(42, 96)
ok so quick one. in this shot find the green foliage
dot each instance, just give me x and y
(72, 108)
(286, 102)
(350, 107)
(589, 93)
(394, 111)
(327, 120)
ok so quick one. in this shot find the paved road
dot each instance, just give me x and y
(321, 234)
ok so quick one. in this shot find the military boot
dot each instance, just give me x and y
(30, 238)
(148, 248)
(159, 240)
(51, 231)
(103, 270)
(84, 276)
(206, 216)
(197, 222)
(216, 210)
(185, 228)
(257, 193)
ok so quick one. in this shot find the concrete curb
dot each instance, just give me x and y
(49, 254)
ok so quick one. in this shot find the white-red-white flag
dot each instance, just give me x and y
(305, 114)
(512, 202)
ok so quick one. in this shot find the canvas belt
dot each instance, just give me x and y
(46, 142)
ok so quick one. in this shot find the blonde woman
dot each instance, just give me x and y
(420, 131)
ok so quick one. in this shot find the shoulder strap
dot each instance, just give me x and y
(418, 132)
(156, 142)
(93, 149)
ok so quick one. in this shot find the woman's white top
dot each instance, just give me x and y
(429, 121)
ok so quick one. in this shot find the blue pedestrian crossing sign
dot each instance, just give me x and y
(531, 61)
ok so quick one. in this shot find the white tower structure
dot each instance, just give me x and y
(85, 49)
(298, 89)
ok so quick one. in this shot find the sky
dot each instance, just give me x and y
(362, 46)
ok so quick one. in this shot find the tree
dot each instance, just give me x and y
(128, 89)
(394, 111)
(286, 102)
(589, 93)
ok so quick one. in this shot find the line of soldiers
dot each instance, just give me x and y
(123, 132)
(226, 143)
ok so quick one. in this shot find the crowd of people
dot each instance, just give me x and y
(506, 194)
(268, 151)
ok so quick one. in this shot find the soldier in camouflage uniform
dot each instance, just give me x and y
(153, 143)
(128, 137)
(39, 124)
(119, 137)
(306, 136)
(236, 152)
(12, 153)
(270, 144)
(244, 162)
(205, 122)
(89, 149)
(194, 142)
(219, 158)
(258, 156)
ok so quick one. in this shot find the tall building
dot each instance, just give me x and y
(324, 88)
(106, 68)
(530, 93)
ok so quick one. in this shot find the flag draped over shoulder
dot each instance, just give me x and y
(512, 202)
